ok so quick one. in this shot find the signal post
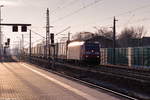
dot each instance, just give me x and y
(15, 29)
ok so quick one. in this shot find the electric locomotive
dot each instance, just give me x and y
(82, 51)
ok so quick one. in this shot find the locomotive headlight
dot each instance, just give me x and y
(97, 56)
(86, 56)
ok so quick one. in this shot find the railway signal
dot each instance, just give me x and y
(24, 28)
(52, 38)
(15, 28)
(6, 43)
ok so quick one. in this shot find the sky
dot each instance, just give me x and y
(80, 15)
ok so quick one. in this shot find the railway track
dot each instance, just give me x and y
(89, 84)
(135, 80)
(144, 72)
(128, 73)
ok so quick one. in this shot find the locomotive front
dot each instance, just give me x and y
(92, 53)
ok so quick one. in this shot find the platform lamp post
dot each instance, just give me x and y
(0, 32)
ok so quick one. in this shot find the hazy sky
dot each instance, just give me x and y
(81, 15)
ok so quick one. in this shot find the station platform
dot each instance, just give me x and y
(22, 81)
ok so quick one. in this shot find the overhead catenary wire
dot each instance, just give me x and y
(128, 12)
(33, 42)
(64, 6)
(88, 5)
(136, 21)
(63, 30)
(38, 34)
(141, 20)
(128, 21)
(45, 37)
(134, 10)
(78, 10)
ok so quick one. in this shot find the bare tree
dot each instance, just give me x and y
(140, 31)
(104, 31)
(83, 36)
(131, 37)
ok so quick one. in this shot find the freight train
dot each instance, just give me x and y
(91, 53)
(73, 52)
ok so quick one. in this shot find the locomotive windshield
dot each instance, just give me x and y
(89, 47)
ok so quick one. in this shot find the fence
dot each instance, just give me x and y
(139, 56)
